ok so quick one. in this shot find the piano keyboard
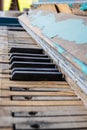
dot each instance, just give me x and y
(33, 92)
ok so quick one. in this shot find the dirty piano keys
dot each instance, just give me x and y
(33, 92)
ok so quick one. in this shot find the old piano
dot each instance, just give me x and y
(35, 93)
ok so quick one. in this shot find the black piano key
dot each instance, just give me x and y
(31, 65)
(28, 55)
(26, 50)
(35, 69)
(29, 59)
(37, 76)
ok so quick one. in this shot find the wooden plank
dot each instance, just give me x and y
(41, 98)
(29, 46)
(18, 34)
(48, 7)
(36, 83)
(7, 87)
(58, 119)
(32, 86)
(64, 8)
(50, 114)
(31, 40)
(6, 83)
(47, 125)
(7, 76)
(21, 44)
(7, 102)
(8, 121)
(20, 41)
(60, 93)
(35, 89)
(60, 109)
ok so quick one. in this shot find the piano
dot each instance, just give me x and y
(34, 91)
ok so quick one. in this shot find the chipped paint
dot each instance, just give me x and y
(72, 30)
(59, 48)
(82, 65)
(63, 29)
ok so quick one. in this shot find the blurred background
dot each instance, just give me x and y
(24, 5)
(20, 5)
(15, 4)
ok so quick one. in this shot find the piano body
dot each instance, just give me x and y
(39, 88)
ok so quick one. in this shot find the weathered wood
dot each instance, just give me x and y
(38, 104)
(49, 113)
(7, 102)
(48, 7)
(55, 120)
(6, 83)
(60, 109)
(60, 93)
(37, 89)
(64, 8)
(44, 111)
(20, 85)
(49, 45)
(49, 125)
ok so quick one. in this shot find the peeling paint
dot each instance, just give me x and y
(59, 48)
(73, 30)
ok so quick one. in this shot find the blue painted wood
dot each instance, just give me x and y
(81, 64)
(59, 1)
(63, 29)
(59, 48)
(9, 22)
(72, 30)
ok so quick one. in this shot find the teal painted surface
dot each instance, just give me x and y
(70, 5)
(73, 30)
(82, 65)
(6, 21)
(42, 21)
(83, 7)
(59, 1)
(59, 48)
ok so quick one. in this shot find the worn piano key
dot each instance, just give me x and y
(37, 76)
(28, 55)
(26, 50)
(31, 65)
(43, 98)
(35, 69)
(51, 125)
(29, 59)
(39, 104)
